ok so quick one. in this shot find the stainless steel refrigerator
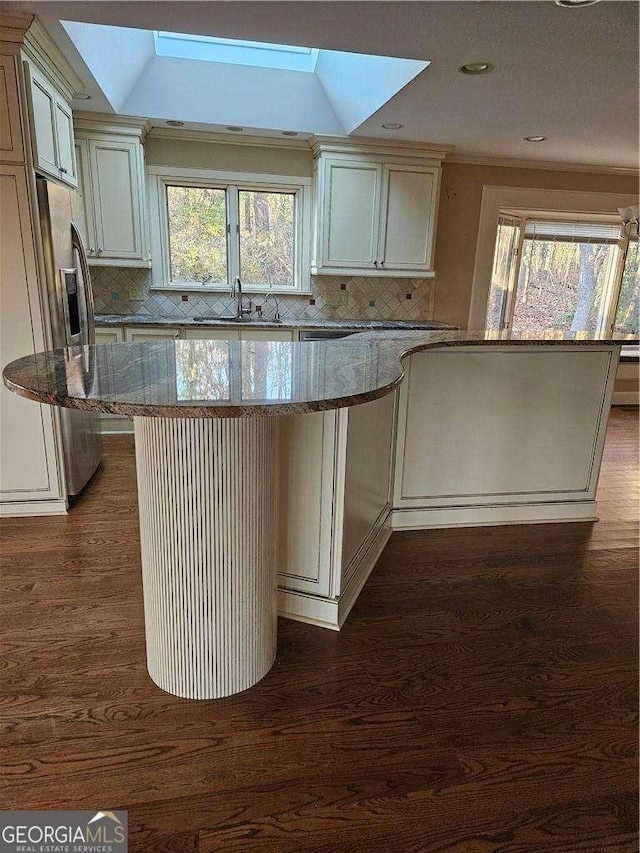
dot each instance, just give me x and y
(72, 316)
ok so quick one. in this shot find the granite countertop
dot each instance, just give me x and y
(287, 323)
(211, 378)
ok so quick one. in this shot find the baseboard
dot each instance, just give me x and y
(625, 398)
(312, 609)
(116, 425)
(23, 509)
(362, 565)
(332, 612)
(478, 516)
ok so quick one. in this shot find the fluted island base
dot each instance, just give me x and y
(208, 525)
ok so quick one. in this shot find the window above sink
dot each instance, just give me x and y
(209, 228)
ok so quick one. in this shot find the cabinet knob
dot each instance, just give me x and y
(63, 170)
(98, 251)
(375, 263)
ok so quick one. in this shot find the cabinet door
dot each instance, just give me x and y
(28, 459)
(216, 334)
(136, 336)
(43, 115)
(84, 194)
(351, 214)
(408, 217)
(109, 335)
(64, 139)
(266, 335)
(11, 149)
(116, 198)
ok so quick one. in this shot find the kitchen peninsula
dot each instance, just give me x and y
(483, 430)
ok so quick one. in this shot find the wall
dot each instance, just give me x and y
(160, 151)
(459, 217)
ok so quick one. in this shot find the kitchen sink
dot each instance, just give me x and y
(223, 319)
(235, 320)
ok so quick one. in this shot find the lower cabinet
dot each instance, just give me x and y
(499, 436)
(212, 334)
(31, 476)
(335, 473)
(136, 336)
(267, 335)
(234, 334)
(109, 336)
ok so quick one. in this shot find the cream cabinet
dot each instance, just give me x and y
(144, 333)
(210, 334)
(109, 335)
(30, 480)
(375, 215)
(52, 129)
(11, 142)
(233, 334)
(111, 170)
(351, 220)
(407, 218)
(267, 335)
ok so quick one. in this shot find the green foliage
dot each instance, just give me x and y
(198, 236)
(628, 313)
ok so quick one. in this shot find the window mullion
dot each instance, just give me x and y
(233, 233)
(613, 296)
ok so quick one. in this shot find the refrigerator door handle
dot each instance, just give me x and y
(78, 245)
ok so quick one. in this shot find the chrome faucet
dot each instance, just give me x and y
(243, 312)
(276, 316)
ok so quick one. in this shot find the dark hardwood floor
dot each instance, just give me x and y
(480, 699)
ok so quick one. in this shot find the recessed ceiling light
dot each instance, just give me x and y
(392, 125)
(575, 4)
(289, 132)
(235, 129)
(173, 123)
(476, 68)
(82, 96)
(535, 138)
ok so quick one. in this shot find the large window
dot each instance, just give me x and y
(563, 274)
(212, 228)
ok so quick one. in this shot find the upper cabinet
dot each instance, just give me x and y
(375, 210)
(11, 147)
(52, 129)
(111, 169)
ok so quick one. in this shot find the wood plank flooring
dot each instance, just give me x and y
(480, 699)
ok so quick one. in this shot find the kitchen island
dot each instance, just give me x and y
(209, 464)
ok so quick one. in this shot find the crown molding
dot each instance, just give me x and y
(380, 147)
(212, 136)
(517, 163)
(13, 25)
(39, 46)
(113, 124)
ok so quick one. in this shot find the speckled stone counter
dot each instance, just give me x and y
(223, 379)
(110, 320)
(206, 445)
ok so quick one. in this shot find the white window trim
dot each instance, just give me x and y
(159, 176)
(495, 199)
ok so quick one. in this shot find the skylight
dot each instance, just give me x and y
(236, 52)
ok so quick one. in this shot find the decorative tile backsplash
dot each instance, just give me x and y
(120, 290)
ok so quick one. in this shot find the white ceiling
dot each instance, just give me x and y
(569, 74)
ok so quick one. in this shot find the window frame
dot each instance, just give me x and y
(555, 202)
(232, 182)
(611, 295)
